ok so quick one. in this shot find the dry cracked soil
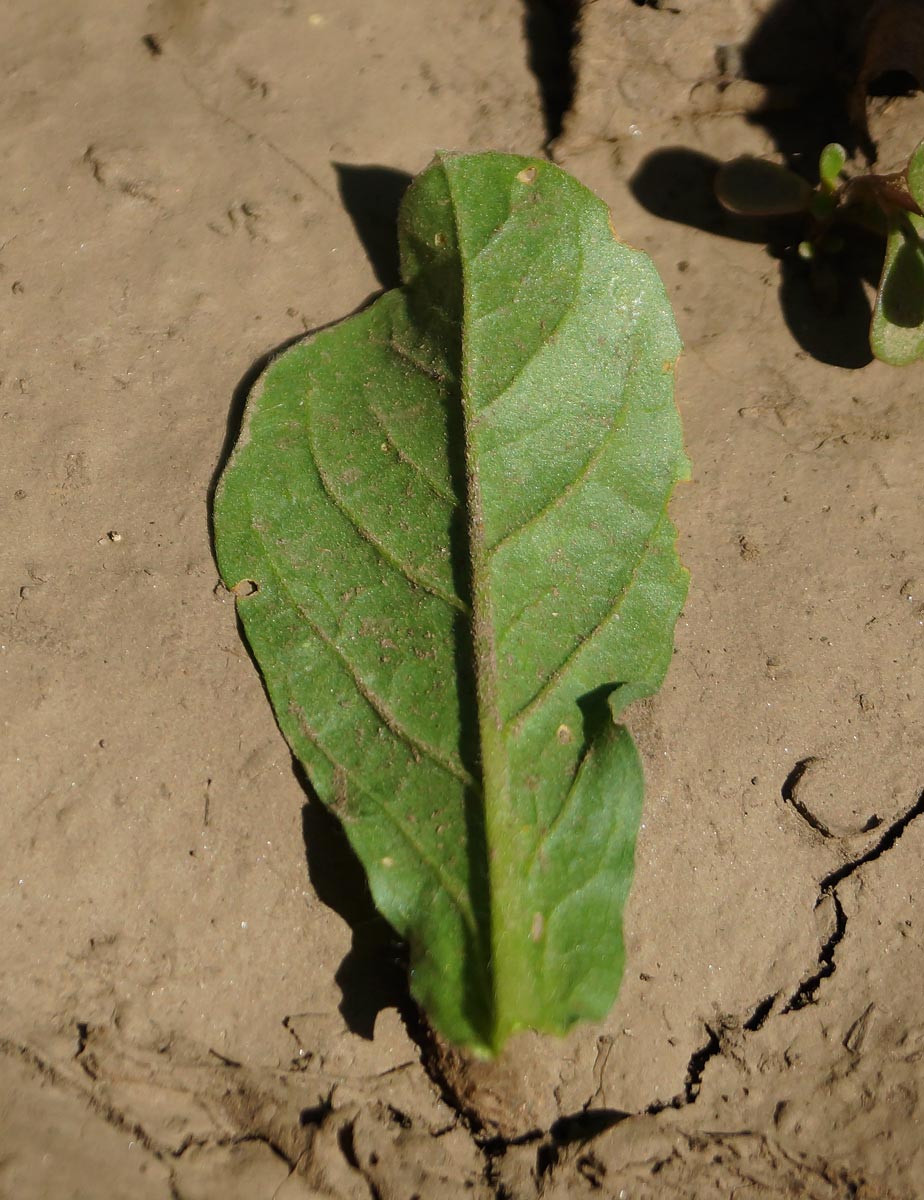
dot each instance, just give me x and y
(196, 1000)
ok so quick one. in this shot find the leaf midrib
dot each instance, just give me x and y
(506, 976)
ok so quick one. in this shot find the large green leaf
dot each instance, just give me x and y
(453, 509)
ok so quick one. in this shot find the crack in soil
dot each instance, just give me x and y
(789, 792)
(693, 1080)
(581, 1127)
(578, 1128)
(806, 992)
(588, 1124)
(114, 1117)
(884, 843)
(761, 1012)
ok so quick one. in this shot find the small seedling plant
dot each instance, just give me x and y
(446, 525)
(891, 205)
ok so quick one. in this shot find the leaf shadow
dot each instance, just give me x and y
(597, 713)
(372, 196)
(373, 973)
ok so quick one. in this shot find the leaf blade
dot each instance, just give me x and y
(756, 187)
(501, 554)
(897, 326)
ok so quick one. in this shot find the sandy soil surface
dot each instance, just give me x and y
(196, 999)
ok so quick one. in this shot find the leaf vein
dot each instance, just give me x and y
(522, 715)
(419, 748)
(434, 487)
(405, 355)
(368, 536)
(529, 359)
(450, 888)
(572, 485)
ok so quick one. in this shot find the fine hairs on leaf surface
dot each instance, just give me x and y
(451, 514)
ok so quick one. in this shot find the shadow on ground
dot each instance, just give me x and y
(551, 31)
(373, 975)
(372, 196)
(812, 48)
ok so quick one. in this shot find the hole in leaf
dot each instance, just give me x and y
(246, 587)
(527, 175)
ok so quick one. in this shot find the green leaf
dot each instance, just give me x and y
(830, 164)
(453, 509)
(897, 329)
(916, 176)
(754, 187)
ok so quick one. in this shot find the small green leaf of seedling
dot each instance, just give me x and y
(897, 329)
(830, 164)
(916, 176)
(754, 187)
(453, 511)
